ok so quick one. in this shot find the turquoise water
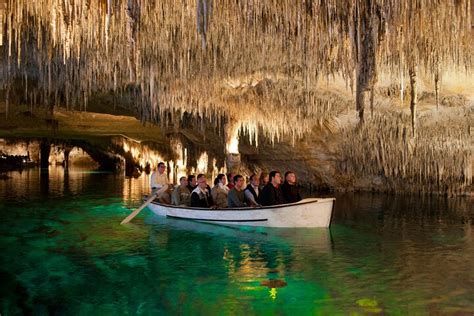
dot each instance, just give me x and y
(64, 253)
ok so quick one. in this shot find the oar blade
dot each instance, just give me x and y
(135, 213)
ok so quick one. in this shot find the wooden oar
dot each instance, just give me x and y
(135, 213)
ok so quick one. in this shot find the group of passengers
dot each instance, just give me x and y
(228, 191)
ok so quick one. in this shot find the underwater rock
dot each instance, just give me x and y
(273, 283)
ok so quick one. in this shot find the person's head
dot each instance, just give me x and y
(161, 167)
(239, 182)
(290, 177)
(275, 178)
(183, 181)
(264, 178)
(254, 180)
(202, 181)
(220, 179)
(230, 177)
(192, 180)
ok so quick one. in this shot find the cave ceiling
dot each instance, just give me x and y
(252, 63)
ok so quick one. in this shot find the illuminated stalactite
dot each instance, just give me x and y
(3, 18)
(107, 25)
(132, 9)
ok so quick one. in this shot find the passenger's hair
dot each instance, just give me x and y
(182, 178)
(191, 177)
(253, 176)
(289, 172)
(262, 177)
(237, 177)
(218, 178)
(272, 175)
(200, 176)
(161, 164)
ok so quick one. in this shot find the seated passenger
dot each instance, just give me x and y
(236, 197)
(220, 191)
(230, 180)
(271, 193)
(159, 179)
(181, 194)
(252, 190)
(201, 197)
(192, 184)
(291, 189)
(263, 180)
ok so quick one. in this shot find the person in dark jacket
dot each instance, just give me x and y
(271, 193)
(252, 191)
(291, 189)
(192, 183)
(201, 195)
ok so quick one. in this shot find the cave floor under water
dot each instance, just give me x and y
(64, 252)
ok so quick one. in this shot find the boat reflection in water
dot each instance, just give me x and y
(256, 258)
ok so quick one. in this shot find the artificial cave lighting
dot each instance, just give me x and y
(202, 163)
(142, 154)
(232, 147)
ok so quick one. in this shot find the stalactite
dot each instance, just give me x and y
(366, 46)
(3, 18)
(132, 9)
(204, 9)
(372, 93)
(107, 25)
(437, 86)
(413, 97)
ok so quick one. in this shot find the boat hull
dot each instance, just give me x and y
(306, 213)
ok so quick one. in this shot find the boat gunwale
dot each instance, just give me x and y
(220, 220)
(316, 200)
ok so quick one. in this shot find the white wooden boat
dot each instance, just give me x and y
(313, 212)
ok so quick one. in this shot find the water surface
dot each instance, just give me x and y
(64, 252)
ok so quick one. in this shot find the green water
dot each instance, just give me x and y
(64, 253)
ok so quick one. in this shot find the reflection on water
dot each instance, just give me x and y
(384, 254)
(56, 182)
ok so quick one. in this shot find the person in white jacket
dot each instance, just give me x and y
(159, 179)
